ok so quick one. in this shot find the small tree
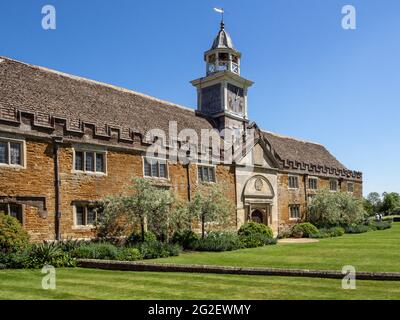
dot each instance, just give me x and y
(373, 203)
(334, 209)
(209, 204)
(142, 204)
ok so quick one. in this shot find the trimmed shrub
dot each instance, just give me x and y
(129, 254)
(13, 260)
(253, 228)
(218, 241)
(136, 237)
(304, 230)
(155, 249)
(185, 238)
(381, 225)
(13, 237)
(102, 251)
(256, 240)
(329, 232)
(357, 228)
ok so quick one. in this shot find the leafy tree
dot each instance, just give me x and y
(390, 202)
(373, 203)
(143, 205)
(335, 209)
(209, 205)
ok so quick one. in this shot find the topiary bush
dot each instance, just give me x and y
(253, 228)
(304, 230)
(13, 237)
(219, 241)
(185, 238)
(256, 240)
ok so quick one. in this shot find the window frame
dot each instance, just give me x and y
(309, 183)
(213, 167)
(8, 142)
(349, 183)
(95, 152)
(291, 206)
(151, 176)
(20, 209)
(297, 182)
(336, 184)
(85, 206)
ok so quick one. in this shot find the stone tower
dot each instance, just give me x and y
(222, 93)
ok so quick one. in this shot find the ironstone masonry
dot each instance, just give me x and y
(66, 142)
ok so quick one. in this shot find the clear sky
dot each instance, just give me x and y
(313, 79)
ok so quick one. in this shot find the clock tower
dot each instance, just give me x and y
(222, 93)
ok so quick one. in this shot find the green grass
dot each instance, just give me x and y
(371, 251)
(101, 284)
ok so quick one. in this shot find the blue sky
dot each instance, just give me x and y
(313, 79)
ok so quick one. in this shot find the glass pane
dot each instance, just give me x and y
(100, 162)
(147, 168)
(15, 153)
(91, 217)
(16, 211)
(163, 170)
(80, 215)
(205, 173)
(211, 174)
(3, 152)
(89, 161)
(154, 169)
(79, 161)
(200, 173)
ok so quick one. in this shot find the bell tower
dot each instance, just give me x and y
(222, 93)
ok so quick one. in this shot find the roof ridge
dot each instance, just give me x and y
(104, 84)
(292, 138)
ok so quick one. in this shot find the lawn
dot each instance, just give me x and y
(371, 251)
(101, 284)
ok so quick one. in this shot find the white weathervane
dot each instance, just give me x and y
(221, 11)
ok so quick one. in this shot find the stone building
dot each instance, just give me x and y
(66, 142)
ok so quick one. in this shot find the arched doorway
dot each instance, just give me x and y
(257, 216)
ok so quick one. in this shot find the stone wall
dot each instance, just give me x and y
(301, 195)
(37, 180)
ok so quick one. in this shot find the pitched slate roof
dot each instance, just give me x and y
(292, 149)
(48, 93)
(297, 154)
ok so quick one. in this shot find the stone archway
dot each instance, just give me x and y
(257, 216)
(258, 196)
